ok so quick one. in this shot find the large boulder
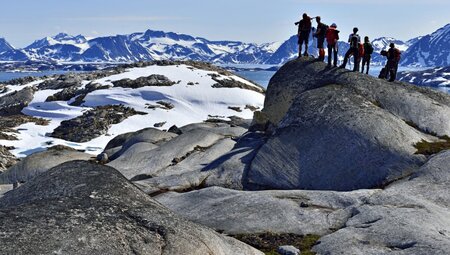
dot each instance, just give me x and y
(428, 109)
(13, 103)
(245, 212)
(191, 150)
(409, 217)
(40, 162)
(340, 130)
(148, 139)
(83, 208)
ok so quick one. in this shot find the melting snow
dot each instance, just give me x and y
(193, 103)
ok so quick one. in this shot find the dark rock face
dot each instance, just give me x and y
(8, 123)
(62, 82)
(75, 91)
(93, 123)
(339, 130)
(14, 103)
(83, 208)
(231, 83)
(152, 80)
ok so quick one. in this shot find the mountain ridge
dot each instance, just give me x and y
(428, 50)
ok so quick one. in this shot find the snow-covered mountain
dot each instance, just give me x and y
(9, 53)
(435, 77)
(429, 50)
(149, 45)
(382, 43)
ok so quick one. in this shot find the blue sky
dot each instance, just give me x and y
(22, 21)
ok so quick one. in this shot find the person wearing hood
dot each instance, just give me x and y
(332, 37)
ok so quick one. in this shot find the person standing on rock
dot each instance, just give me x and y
(320, 35)
(332, 36)
(368, 50)
(304, 30)
(393, 56)
(354, 39)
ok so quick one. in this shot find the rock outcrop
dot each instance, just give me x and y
(8, 124)
(140, 141)
(6, 159)
(152, 80)
(243, 212)
(61, 82)
(191, 151)
(93, 123)
(409, 217)
(40, 162)
(83, 208)
(340, 130)
(13, 103)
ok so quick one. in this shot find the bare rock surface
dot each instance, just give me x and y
(243, 212)
(174, 155)
(83, 208)
(333, 129)
(40, 162)
(427, 108)
(13, 103)
(409, 217)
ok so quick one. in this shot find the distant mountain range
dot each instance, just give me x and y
(435, 77)
(429, 50)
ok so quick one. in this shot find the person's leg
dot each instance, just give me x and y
(394, 72)
(335, 49)
(363, 64)
(388, 69)
(306, 48)
(356, 59)
(347, 55)
(368, 64)
(330, 49)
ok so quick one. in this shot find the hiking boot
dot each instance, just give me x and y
(305, 54)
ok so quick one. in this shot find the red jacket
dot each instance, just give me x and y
(332, 35)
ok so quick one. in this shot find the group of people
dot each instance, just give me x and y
(360, 51)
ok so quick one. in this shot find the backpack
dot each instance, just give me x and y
(331, 35)
(354, 41)
(369, 49)
(397, 55)
(323, 30)
(305, 25)
(361, 49)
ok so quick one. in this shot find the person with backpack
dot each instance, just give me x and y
(368, 50)
(393, 56)
(304, 30)
(332, 36)
(320, 35)
(354, 41)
